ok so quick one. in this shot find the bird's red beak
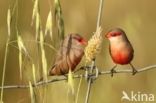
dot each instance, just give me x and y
(84, 42)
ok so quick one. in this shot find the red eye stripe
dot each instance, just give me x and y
(81, 41)
(115, 33)
(78, 39)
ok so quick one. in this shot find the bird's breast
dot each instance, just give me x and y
(121, 54)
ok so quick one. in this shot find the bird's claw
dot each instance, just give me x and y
(134, 71)
(112, 72)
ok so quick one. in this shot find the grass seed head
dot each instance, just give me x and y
(94, 45)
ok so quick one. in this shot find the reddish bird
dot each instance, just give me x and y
(120, 48)
(69, 54)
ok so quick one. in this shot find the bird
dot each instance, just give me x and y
(69, 54)
(120, 49)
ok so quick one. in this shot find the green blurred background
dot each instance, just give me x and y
(136, 17)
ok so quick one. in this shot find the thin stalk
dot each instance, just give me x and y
(93, 61)
(63, 78)
(99, 14)
(4, 68)
(89, 82)
(78, 90)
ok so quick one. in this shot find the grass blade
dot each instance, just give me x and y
(44, 61)
(21, 47)
(31, 92)
(9, 21)
(59, 19)
(34, 73)
(35, 11)
(6, 52)
(49, 25)
(71, 81)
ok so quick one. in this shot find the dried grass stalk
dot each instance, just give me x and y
(21, 48)
(36, 17)
(37, 25)
(6, 52)
(59, 18)
(31, 92)
(35, 11)
(9, 21)
(34, 73)
(49, 25)
(44, 61)
(70, 82)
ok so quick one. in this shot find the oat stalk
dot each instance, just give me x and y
(59, 19)
(6, 52)
(49, 25)
(44, 61)
(31, 92)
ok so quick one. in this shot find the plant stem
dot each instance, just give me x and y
(89, 82)
(63, 78)
(99, 14)
(4, 68)
(93, 61)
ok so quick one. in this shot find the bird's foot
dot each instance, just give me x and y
(134, 71)
(112, 72)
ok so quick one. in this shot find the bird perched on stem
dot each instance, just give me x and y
(120, 48)
(69, 54)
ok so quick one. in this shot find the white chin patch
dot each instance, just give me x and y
(116, 39)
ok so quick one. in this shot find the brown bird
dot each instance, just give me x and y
(120, 48)
(69, 54)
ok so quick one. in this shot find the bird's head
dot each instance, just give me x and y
(78, 40)
(116, 34)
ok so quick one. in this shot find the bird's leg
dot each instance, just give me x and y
(134, 71)
(113, 70)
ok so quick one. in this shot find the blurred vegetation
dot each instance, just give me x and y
(137, 18)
